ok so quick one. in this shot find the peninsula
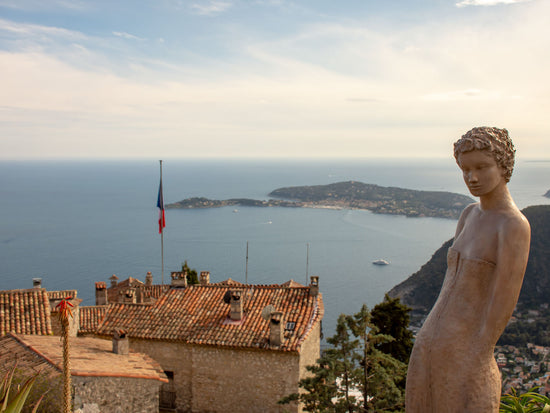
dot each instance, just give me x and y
(547, 194)
(349, 195)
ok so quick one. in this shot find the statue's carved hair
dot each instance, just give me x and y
(493, 140)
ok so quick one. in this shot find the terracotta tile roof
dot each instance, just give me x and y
(154, 291)
(12, 352)
(90, 317)
(59, 295)
(25, 311)
(199, 315)
(83, 350)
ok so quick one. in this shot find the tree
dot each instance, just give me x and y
(354, 375)
(378, 373)
(192, 277)
(329, 386)
(392, 318)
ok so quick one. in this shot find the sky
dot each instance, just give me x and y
(270, 78)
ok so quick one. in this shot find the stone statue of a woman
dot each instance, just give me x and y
(452, 367)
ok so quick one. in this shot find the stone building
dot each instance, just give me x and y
(226, 346)
(105, 376)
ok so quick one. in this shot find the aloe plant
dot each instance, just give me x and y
(16, 402)
(530, 402)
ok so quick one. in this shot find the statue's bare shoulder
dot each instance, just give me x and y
(514, 232)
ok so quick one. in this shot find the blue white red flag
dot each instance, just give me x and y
(160, 206)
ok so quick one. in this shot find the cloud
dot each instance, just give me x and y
(36, 5)
(462, 95)
(128, 36)
(316, 89)
(29, 30)
(211, 7)
(466, 3)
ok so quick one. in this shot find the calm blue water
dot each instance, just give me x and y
(74, 223)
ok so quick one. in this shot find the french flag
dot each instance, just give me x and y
(160, 206)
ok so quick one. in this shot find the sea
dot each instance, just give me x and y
(75, 222)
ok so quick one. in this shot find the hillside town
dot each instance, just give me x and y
(525, 366)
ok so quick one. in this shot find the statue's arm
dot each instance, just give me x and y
(512, 255)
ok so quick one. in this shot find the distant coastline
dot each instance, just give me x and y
(349, 195)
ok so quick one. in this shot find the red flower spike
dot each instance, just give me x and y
(64, 308)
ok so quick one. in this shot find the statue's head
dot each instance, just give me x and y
(494, 140)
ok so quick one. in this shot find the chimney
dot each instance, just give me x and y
(236, 303)
(314, 286)
(37, 282)
(276, 329)
(179, 279)
(205, 277)
(149, 279)
(101, 293)
(128, 296)
(114, 280)
(121, 344)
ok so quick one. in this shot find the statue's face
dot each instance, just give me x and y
(481, 173)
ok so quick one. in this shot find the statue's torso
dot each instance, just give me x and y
(452, 368)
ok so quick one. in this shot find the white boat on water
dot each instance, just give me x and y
(380, 262)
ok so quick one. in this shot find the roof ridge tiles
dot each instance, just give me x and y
(197, 315)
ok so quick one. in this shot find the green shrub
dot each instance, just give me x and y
(12, 400)
(530, 402)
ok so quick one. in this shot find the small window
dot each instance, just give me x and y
(290, 326)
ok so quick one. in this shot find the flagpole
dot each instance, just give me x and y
(162, 233)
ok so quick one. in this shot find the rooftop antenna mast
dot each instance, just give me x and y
(307, 263)
(246, 268)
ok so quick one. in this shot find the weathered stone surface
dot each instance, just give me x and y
(214, 379)
(116, 394)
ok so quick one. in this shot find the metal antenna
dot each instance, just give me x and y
(307, 263)
(246, 270)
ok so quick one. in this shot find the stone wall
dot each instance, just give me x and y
(214, 379)
(310, 351)
(115, 394)
(173, 357)
(244, 381)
